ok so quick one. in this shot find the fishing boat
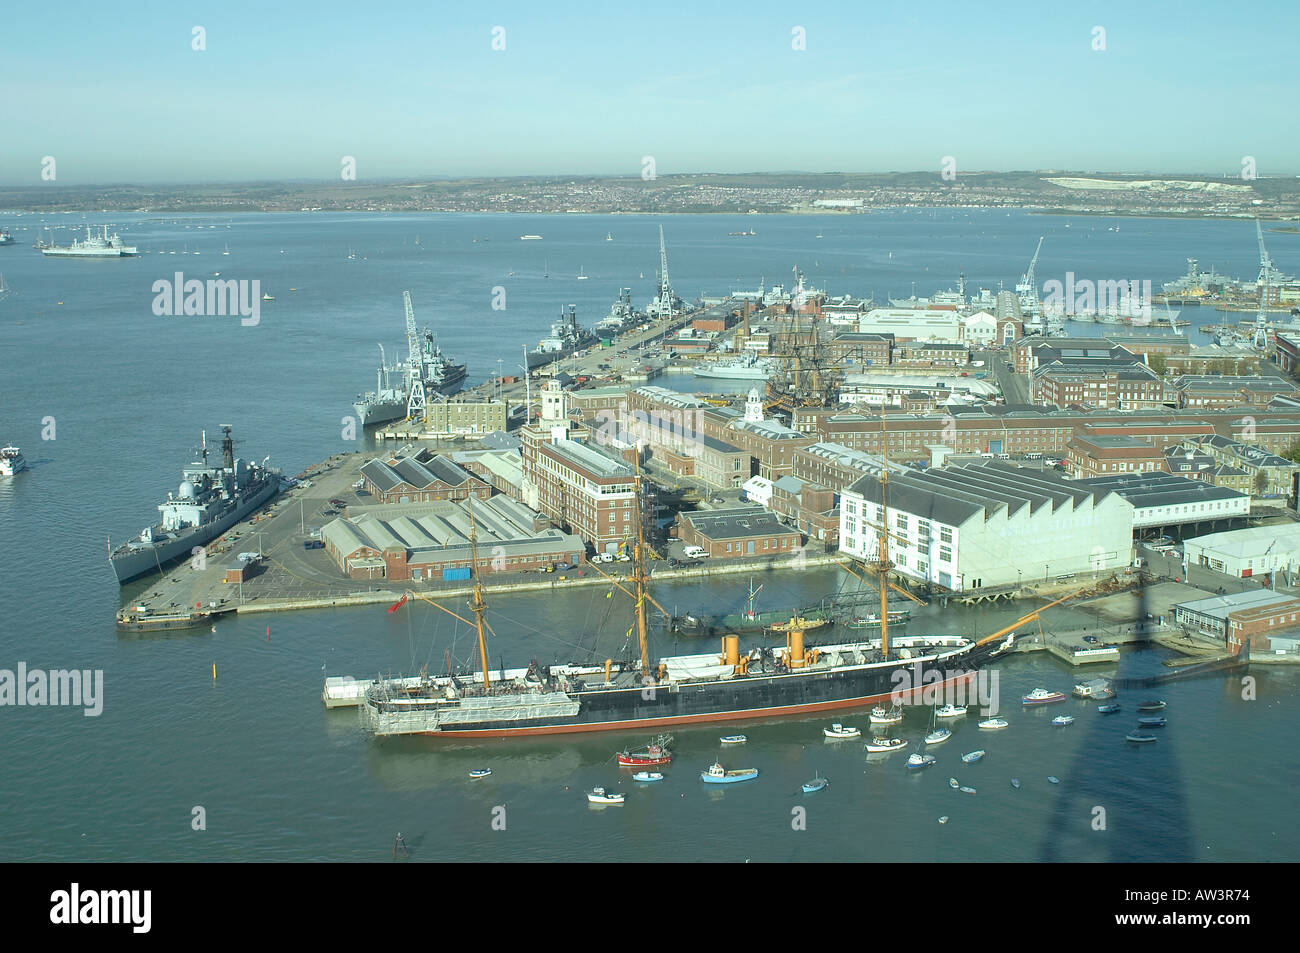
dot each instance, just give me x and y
(601, 796)
(954, 783)
(950, 711)
(1139, 738)
(1015, 783)
(1063, 720)
(920, 761)
(838, 731)
(733, 739)
(12, 461)
(480, 773)
(884, 745)
(992, 724)
(647, 776)
(1157, 722)
(894, 716)
(965, 790)
(1108, 709)
(815, 785)
(655, 753)
(1152, 706)
(972, 756)
(717, 774)
(1041, 696)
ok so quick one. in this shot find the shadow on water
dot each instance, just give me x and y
(1114, 807)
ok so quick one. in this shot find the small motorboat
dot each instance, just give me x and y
(601, 796)
(920, 761)
(944, 819)
(1063, 720)
(966, 790)
(647, 776)
(1108, 709)
(991, 724)
(1157, 705)
(815, 785)
(1053, 779)
(1015, 783)
(1138, 738)
(653, 754)
(733, 739)
(954, 783)
(838, 731)
(938, 736)
(1157, 722)
(971, 757)
(950, 711)
(1041, 696)
(480, 773)
(876, 745)
(717, 774)
(893, 716)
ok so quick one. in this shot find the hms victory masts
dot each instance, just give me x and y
(425, 370)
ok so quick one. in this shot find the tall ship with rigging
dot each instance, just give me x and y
(767, 681)
(102, 245)
(403, 389)
(209, 501)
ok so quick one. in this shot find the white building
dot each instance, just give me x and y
(916, 324)
(981, 329)
(1164, 499)
(1246, 552)
(758, 490)
(965, 528)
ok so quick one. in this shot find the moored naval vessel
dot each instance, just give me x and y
(103, 245)
(425, 370)
(209, 501)
(566, 338)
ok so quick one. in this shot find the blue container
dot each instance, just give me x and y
(455, 575)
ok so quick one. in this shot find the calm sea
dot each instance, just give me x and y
(124, 394)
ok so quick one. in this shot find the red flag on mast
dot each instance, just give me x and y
(398, 604)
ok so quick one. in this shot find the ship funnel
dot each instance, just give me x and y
(731, 649)
(794, 642)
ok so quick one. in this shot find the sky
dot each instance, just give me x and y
(117, 92)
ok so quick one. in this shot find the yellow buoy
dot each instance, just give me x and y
(214, 671)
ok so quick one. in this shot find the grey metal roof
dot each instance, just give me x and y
(736, 522)
(1160, 489)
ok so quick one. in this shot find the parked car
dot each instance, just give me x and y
(563, 567)
(338, 502)
(1090, 638)
(313, 544)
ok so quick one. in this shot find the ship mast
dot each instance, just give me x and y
(639, 574)
(477, 605)
(882, 554)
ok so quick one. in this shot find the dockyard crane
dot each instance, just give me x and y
(1027, 289)
(1268, 274)
(415, 405)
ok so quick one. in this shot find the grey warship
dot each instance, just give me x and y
(209, 501)
(426, 370)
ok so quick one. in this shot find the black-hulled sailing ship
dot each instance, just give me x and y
(796, 678)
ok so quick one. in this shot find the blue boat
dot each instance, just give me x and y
(1108, 709)
(815, 785)
(920, 761)
(480, 773)
(971, 757)
(719, 775)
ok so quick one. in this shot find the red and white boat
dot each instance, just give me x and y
(1041, 696)
(652, 754)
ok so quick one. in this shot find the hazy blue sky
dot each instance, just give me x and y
(116, 93)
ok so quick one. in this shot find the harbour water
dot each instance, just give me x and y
(124, 394)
